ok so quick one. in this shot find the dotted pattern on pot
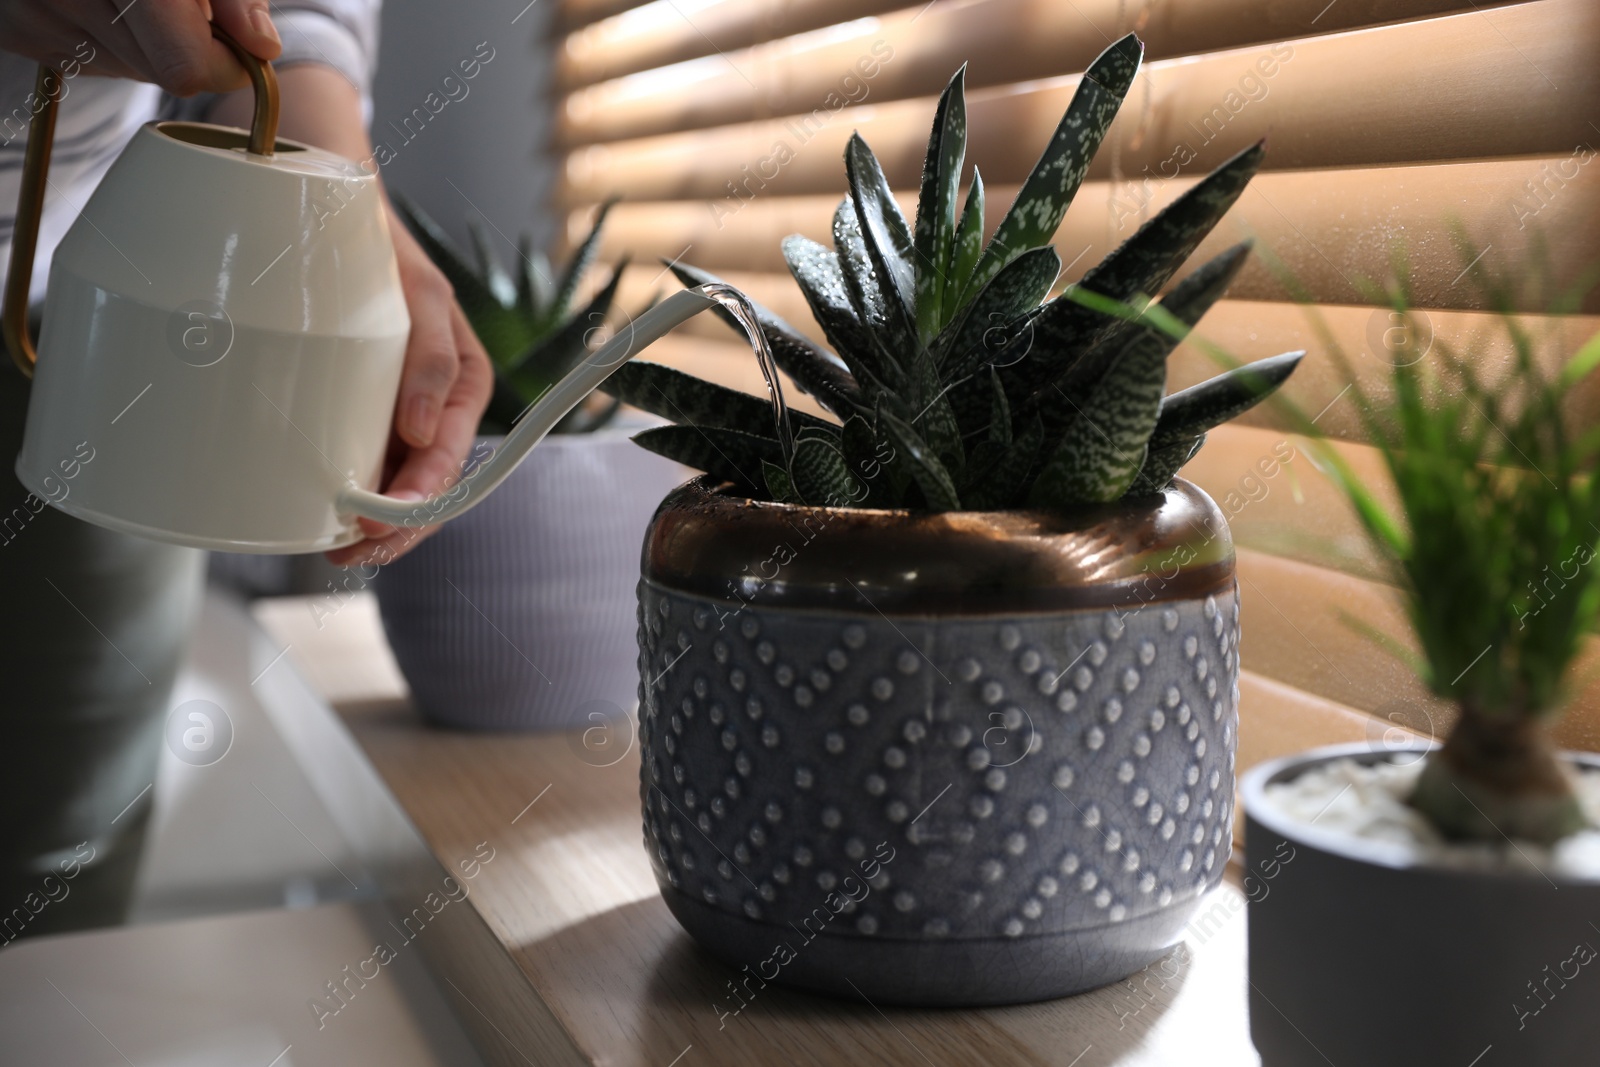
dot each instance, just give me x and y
(1032, 775)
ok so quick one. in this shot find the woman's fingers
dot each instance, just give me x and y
(425, 471)
(250, 23)
(433, 358)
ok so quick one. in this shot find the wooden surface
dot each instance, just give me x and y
(571, 899)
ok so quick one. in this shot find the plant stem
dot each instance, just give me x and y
(1497, 777)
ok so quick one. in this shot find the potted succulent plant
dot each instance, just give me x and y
(518, 615)
(1439, 904)
(937, 700)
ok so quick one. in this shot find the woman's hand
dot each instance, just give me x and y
(447, 378)
(443, 391)
(167, 42)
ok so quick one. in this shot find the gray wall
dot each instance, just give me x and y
(484, 151)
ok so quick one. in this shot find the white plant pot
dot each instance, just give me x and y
(1357, 958)
(520, 614)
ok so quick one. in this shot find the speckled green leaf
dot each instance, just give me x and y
(1144, 263)
(1189, 412)
(935, 421)
(1188, 301)
(999, 411)
(967, 249)
(691, 401)
(882, 229)
(817, 272)
(891, 339)
(813, 369)
(867, 457)
(938, 489)
(986, 326)
(821, 477)
(1042, 201)
(1003, 482)
(1104, 447)
(936, 205)
(727, 454)
(1162, 463)
(779, 485)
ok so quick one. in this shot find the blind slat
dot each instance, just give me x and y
(1329, 228)
(913, 52)
(576, 13)
(1297, 632)
(662, 33)
(1279, 720)
(1182, 116)
(1277, 501)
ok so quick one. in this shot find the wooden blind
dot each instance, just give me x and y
(722, 123)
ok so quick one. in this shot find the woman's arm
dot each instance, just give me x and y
(447, 379)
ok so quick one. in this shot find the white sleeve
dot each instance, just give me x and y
(341, 34)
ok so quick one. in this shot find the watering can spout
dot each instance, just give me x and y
(565, 395)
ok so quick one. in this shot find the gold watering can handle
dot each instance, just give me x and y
(35, 171)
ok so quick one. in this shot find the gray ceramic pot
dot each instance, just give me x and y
(519, 614)
(937, 759)
(1355, 959)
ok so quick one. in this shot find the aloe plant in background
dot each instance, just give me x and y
(527, 325)
(947, 354)
(1496, 557)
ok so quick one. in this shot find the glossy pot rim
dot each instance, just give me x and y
(705, 540)
(1258, 809)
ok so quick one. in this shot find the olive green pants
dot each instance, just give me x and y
(92, 627)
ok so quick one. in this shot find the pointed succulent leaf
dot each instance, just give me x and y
(938, 489)
(888, 331)
(1002, 484)
(936, 422)
(1042, 201)
(1186, 303)
(936, 205)
(1162, 463)
(816, 270)
(489, 267)
(534, 283)
(1104, 447)
(694, 402)
(820, 475)
(966, 249)
(1190, 412)
(503, 332)
(578, 264)
(728, 454)
(548, 360)
(877, 214)
(1147, 260)
(1144, 263)
(1000, 430)
(779, 485)
(868, 457)
(985, 327)
(816, 371)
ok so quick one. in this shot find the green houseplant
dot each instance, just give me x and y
(517, 615)
(948, 685)
(1494, 555)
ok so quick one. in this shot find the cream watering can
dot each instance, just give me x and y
(222, 342)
